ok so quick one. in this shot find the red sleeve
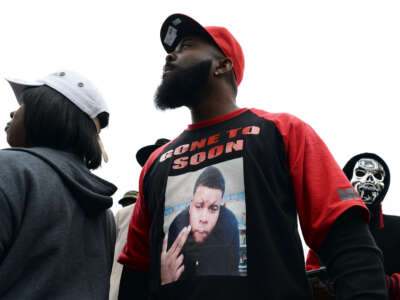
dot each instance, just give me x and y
(321, 189)
(136, 252)
(312, 261)
(393, 286)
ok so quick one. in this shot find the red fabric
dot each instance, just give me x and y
(316, 178)
(230, 47)
(393, 285)
(138, 257)
(381, 223)
(312, 261)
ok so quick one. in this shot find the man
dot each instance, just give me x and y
(370, 176)
(212, 246)
(284, 167)
(123, 216)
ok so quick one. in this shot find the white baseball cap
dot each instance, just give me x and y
(76, 88)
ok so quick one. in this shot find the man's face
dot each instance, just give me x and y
(204, 211)
(186, 74)
(15, 129)
(368, 177)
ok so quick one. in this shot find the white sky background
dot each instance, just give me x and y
(334, 64)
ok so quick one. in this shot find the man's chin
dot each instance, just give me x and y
(166, 74)
(183, 86)
(199, 237)
(165, 106)
(166, 97)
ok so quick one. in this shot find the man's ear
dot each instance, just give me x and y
(224, 65)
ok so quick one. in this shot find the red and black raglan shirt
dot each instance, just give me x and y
(275, 168)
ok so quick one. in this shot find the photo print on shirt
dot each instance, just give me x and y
(212, 201)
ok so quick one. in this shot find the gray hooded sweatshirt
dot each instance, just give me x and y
(57, 234)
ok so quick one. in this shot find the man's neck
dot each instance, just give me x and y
(212, 107)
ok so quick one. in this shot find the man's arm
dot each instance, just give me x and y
(323, 196)
(353, 260)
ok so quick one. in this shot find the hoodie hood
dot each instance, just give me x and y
(376, 207)
(92, 192)
(349, 167)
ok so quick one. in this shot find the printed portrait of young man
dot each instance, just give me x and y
(210, 203)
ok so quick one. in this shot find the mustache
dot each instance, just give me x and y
(170, 67)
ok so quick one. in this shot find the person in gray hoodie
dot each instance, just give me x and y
(57, 233)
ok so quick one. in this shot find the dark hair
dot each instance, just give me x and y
(53, 121)
(211, 177)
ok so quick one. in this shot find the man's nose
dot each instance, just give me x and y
(203, 216)
(12, 114)
(170, 57)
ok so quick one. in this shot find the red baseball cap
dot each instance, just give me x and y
(178, 26)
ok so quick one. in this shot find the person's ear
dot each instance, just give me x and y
(224, 65)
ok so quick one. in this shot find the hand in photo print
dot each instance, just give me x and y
(171, 262)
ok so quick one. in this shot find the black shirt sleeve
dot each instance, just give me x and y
(353, 260)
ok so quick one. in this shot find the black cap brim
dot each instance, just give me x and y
(178, 26)
(143, 154)
(126, 201)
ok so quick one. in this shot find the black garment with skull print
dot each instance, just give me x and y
(384, 228)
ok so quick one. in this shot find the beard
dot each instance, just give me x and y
(183, 86)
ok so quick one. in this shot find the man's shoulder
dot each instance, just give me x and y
(288, 125)
(282, 120)
(272, 116)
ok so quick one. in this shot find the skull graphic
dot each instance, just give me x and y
(368, 177)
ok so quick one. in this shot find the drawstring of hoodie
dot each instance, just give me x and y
(99, 141)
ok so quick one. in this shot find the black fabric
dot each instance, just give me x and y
(134, 285)
(387, 239)
(396, 287)
(275, 169)
(274, 245)
(353, 260)
(211, 288)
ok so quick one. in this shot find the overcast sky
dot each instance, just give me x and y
(334, 64)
